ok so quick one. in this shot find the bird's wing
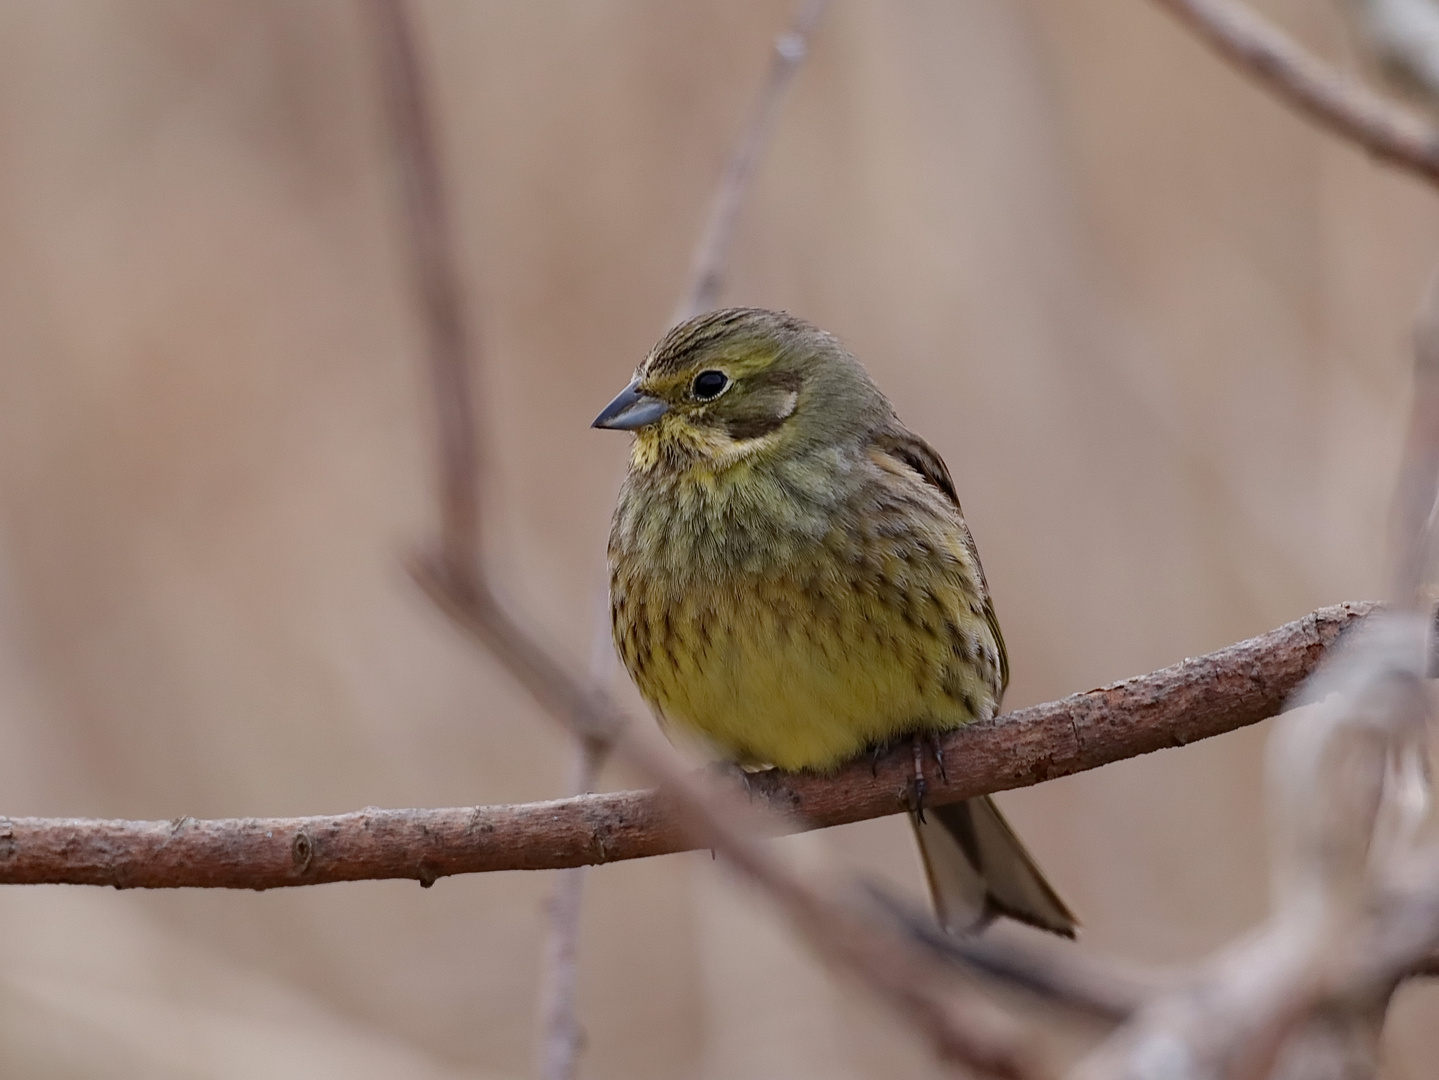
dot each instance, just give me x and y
(918, 455)
(976, 866)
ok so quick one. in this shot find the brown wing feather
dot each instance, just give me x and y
(909, 448)
(976, 866)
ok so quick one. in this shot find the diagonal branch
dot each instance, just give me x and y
(961, 1025)
(1332, 99)
(1197, 699)
(1354, 903)
(1404, 37)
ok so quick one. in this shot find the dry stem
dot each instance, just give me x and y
(707, 266)
(1199, 698)
(1337, 102)
(437, 281)
(562, 1037)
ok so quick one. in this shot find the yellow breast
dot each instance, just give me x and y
(798, 642)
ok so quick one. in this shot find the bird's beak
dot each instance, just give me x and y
(630, 410)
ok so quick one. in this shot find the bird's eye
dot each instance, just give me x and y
(709, 384)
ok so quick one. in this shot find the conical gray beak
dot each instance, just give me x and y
(630, 410)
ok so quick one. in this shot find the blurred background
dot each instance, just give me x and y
(1159, 327)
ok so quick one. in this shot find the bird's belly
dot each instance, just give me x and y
(772, 688)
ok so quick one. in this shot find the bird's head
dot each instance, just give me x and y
(740, 385)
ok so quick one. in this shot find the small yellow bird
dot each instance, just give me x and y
(792, 579)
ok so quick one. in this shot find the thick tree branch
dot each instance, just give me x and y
(1354, 903)
(1337, 102)
(1196, 699)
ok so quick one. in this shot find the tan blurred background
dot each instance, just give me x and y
(1158, 326)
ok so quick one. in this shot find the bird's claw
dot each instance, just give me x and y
(733, 771)
(936, 747)
(918, 786)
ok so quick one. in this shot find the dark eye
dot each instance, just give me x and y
(708, 384)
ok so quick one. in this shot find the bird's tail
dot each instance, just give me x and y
(978, 870)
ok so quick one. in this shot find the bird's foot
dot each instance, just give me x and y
(936, 747)
(919, 786)
(733, 771)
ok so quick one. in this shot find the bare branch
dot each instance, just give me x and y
(1098, 989)
(1404, 36)
(1355, 910)
(1416, 494)
(437, 280)
(1199, 698)
(1335, 101)
(707, 267)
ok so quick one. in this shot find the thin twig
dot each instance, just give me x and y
(1056, 974)
(1403, 35)
(452, 352)
(707, 266)
(561, 1034)
(1337, 102)
(1416, 494)
(1199, 698)
(562, 1037)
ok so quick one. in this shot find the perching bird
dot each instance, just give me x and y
(792, 579)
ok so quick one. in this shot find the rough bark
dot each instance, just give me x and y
(1196, 699)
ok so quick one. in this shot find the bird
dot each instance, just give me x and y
(793, 582)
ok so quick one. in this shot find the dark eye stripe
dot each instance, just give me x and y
(752, 427)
